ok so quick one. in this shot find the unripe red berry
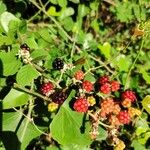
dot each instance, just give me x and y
(116, 109)
(79, 75)
(46, 88)
(115, 86)
(87, 86)
(105, 88)
(103, 79)
(124, 117)
(81, 105)
(107, 106)
(128, 94)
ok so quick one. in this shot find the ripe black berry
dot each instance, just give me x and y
(58, 64)
(59, 97)
(25, 47)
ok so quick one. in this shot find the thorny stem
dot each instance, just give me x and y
(16, 86)
(27, 121)
(30, 120)
(133, 64)
(37, 13)
(55, 21)
(41, 70)
(61, 75)
(103, 64)
(101, 123)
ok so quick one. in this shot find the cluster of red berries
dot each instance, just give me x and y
(118, 112)
(106, 86)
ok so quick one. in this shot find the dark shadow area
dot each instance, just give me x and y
(10, 140)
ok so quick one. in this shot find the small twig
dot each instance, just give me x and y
(61, 75)
(56, 22)
(16, 86)
(27, 121)
(30, 120)
(100, 62)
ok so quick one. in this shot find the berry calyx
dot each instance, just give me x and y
(124, 117)
(79, 75)
(105, 88)
(81, 105)
(58, 64)
(103, 79)
(46, 88)
(87, 86)
(59, 97)
(129, 95)
(115, 86)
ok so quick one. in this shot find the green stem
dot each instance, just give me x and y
(16, 86)
(101, 63)
(55, 21)
(27, 120)
(132, 66)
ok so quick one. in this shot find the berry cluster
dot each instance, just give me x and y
(118, 112)
(103, 100)
(106, 86)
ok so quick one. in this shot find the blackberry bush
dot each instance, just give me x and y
(78, 74)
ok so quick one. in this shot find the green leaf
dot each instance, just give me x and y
(82, 10)
(5, 19)
(26, 133)
(26, 75)
(143, 139)
(45, 35)
(75, 1)
(105, 49)
(53, 1)
(102, 134)
(122, 62)
(62, 3)
(15, 98)
(145, 75)
(2, 7)
(90, 77)
(137, 145)
(8, 123)
(52, 11)
(32, 43)
(66, 12)
(146, 103)
(39, 53)
(65, 127)
(74, 147)
(10, 64)
(68, 23)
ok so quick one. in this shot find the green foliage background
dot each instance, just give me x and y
(102, 32)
